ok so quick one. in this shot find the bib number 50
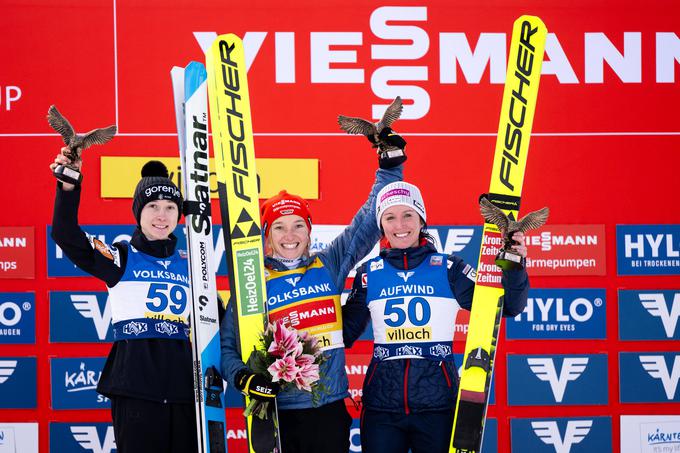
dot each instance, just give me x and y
(398, 310)
(162, 294)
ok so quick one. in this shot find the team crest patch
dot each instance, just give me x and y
(134, 328)
(167, 328)
(377, 265)
(409, 350)
(436, 260)
(381, 353)
(364, 280)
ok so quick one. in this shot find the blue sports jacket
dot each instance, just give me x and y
(418, 385)
(355, 242)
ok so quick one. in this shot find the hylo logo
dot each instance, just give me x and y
(549, 433)
(10, 313)
(544, 369)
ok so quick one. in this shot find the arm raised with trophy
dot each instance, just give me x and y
(103, 261)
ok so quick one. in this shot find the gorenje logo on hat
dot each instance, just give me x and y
(174, 192)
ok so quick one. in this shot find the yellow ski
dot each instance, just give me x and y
(512, 145)
(237, 186)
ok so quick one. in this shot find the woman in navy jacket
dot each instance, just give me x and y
(412, 294)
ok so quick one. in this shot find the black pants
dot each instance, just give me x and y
(321, 429)
(422, 432)
(142, 426)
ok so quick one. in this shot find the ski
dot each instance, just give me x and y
(239, 207)
(510, 157)
(189, 89)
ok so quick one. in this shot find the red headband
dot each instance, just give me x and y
(284, 204)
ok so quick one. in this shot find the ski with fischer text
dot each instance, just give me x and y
(510, 157)
(239, 205)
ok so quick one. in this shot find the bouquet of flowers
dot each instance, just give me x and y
(289, 357)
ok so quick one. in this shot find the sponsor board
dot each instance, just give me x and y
(547, 380)
(649, 377)
(18, 437)
(650, 433)
(80, 317)
(649, 314)
(648, 249)
(18, 383)
(566, 250)
(561, 435)
(561, 314)
(464, 241)
(120, 176)
(81, 437)
(17, 318)
(74, 383)
(58, 264)
(17, 252)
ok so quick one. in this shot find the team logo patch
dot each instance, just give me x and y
(293, 280)
(440, 350)
(436, 260)
(377, 265)
(135, 328)
(167, 328)
(381, 353)
(364, 280)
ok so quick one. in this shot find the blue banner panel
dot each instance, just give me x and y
(58, 265)
(649, 377)
(563, 435)
(74, 383)
(558, 314)
(81, 437)
(17, 318)
(649, 314)
(547, 380)
(80, 317)
(18, 383)
(648, 249)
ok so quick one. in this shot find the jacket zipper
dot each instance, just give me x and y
(408, 361)
(370, 376)
(446, 374)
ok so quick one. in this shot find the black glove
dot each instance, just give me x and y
(255, 385)
(391, 149)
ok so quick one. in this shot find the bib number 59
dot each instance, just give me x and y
(162, 294)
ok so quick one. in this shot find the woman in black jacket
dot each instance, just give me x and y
(412, 295)
(147, 375)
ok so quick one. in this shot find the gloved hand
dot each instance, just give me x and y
(255, 385)
(391, 149)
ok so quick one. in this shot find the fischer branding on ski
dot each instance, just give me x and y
(239, 206)
(510, 157)
(189, 87)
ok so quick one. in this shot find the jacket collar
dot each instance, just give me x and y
(159, 249)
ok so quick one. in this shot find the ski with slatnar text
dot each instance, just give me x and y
(191, 111)
(239, 206)
(510, 157)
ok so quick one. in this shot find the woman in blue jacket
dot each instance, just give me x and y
(309, 281)
(412, 295)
